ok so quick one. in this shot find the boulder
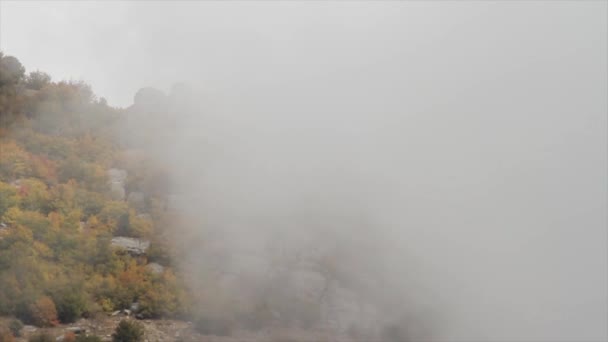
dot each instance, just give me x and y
(77, 330)
(117, 179)
(144, 216)
(28, 330)
(117, 175)
(117, 191)
(155, 268)
(132, 246)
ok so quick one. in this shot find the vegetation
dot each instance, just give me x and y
(43, 337)
(88, 338)
(15, 327)
(128, 331)
(59, 212)
(6, 335)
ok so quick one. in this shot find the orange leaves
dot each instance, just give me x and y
(69, 337)
(43, 312)
(17, 163)
(133, 275)
(44, 168)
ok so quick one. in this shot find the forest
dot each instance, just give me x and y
(60, 208)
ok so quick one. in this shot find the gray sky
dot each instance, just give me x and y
(475, 132)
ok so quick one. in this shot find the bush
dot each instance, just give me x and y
(69, 337)
(44, 337)
(43, 312)
(128, 331)
(70, 303)
(37, 80)
(15, 327)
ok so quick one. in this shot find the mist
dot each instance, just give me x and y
(448, 158)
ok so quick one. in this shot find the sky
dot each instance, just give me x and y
(472, 134)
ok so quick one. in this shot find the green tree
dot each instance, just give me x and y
(37, 80)
(15, 327)
(11, 70)
(70, 302)
(128, 331)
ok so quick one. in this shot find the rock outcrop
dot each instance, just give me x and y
(155, 268)
(133, 246)
(117, 179)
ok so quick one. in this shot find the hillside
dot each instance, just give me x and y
(73, 196)
(101, 219)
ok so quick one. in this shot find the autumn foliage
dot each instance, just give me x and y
(57, 211)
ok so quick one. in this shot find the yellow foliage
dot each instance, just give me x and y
(34, 195)
(42, 250)
(15, 162)
(53, 165)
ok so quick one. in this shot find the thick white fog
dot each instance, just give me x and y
(455, 152)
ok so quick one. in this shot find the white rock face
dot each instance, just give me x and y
(118, 191)
(117, 178)
(155, 268)
(131, 245)
(117, 175)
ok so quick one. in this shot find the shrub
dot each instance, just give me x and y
(128, 331)
(43, 312)
(69, 337)
(70, 303)
(37, 80)
(15, 327)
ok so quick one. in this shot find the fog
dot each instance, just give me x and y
(450, 155)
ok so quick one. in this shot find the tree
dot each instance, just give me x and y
(70, 302)
(37, 80)
(128, 331)
(8, 197)
(15, 327)
(43, 312)
(11, 70)
(34, 195)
